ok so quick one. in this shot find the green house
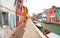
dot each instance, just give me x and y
(58, 13)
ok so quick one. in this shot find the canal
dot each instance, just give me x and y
(53, 27)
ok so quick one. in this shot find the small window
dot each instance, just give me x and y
(17, 18)
(21, 8)
(18, 5)
(21, 18)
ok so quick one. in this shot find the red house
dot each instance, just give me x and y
(19, 12)
(51, 14)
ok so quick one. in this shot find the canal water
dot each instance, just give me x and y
(53, 27)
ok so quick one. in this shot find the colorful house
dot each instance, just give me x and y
(58, 13)
(44, 16)
(25, 13)
(51, 14)
(40, 16)
(7, 13)
(19, 12)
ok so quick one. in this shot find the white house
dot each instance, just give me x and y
(7, 13)
(44, 16)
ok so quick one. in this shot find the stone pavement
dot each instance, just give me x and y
(25, 31)
(4, 32)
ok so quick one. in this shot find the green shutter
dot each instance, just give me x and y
(0, 18)
(6, 19)
(58, 13)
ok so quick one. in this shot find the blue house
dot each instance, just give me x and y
(40, 17)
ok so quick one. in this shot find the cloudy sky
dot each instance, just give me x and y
(37, 6)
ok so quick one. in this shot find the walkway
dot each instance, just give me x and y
(26, 31)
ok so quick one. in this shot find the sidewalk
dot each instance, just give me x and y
(4, 32)
(26, 31)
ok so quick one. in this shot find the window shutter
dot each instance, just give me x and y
(6, 19)
(0, 18)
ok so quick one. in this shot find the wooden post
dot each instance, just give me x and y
(43, 29)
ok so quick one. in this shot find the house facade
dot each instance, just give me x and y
(51, 15)
(7, 13)
(19, 12)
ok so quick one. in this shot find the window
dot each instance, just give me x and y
(6, 18)
(21, 18)
(18, 5)
(15, 2)
(52, 18)
(17, 18)
(21, 8)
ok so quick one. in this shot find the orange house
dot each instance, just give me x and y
(25, 13)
